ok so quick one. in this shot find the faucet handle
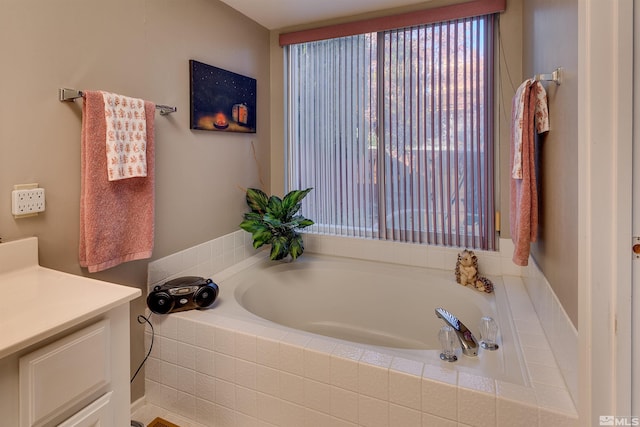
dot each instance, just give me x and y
(488, 333)
(448, 339)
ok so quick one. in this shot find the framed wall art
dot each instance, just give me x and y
(221, 100)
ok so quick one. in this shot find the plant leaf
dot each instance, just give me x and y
(262, 237)
(274, 206)
(295, 247)
(291, 202)
(253, 222)
(279, 248)
(257, 200)
(301, 222)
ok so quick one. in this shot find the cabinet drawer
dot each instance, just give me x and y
(64, 375)
(98, 413)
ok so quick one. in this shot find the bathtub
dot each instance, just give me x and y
(382, 307)
(334, 341)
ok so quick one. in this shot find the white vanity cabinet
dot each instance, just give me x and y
(64, 345)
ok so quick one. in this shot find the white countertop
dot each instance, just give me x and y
(38, 302)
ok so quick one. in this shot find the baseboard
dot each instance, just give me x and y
(138, 404)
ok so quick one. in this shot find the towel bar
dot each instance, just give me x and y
(555, 76)
(68, 95)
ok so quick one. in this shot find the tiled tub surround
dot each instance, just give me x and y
(223, 371)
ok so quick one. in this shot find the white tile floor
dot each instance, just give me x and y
(148, 412)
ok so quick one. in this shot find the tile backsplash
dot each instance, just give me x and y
(204, 259)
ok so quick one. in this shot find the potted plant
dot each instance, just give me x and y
(276, 222)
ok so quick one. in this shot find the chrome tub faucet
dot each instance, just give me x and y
(468, 342)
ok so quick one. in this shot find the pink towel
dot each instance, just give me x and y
(116, 217)
(523, 213)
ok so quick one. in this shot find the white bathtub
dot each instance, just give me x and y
(376, 306)
(318, 362)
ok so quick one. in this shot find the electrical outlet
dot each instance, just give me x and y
(27, 202)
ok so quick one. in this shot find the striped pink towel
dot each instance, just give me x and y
(116, 217)
(523, 214)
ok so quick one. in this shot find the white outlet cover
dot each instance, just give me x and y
(27, 202)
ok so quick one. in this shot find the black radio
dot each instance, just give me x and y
(183, 293)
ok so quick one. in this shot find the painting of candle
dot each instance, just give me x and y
(221, 100)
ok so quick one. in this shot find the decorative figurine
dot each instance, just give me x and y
(467, 272)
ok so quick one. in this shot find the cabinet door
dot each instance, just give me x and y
(97, 414)
(58, 379)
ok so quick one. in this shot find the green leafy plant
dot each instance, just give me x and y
(276, 222)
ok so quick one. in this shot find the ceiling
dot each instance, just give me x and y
(274, 14)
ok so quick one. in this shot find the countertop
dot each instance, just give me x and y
(38, 302)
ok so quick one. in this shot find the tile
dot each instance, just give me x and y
(166, 349)
(152, 369)
(185, 404)
(204, 252)
(225, 394)
(205, 387)
(269, 408)
(372, 412)
(443, 374)
(267, 380)
(186, 331)
(186, 381)
(476, 383)
(166, 326)
(405, 417)
(291, 387)
(476, 407)
(243, 420)
(245, 373)
(268, 352)
(224, 341)
(344, 373)
(205, 362)
(225, 417)
(554, 398)
(292, 415)
(187, 356)
(291, 357)
(373, 380)
(320, 419)
(204, 335)
(317, 395)
(317, 360)
(541, 356)
(543, 374)
(225, 367)
(555, 419)
(205, 411)
(246, 401)
(439, 399)
(511, 413)
(515, 392)
(405, 388)
(429, 420)
(344, 404)
(245, 346)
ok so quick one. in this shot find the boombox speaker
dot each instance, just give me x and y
(183, 293)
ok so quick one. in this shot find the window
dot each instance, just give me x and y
(394, 131)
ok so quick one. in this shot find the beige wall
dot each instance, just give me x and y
(138, 48)
(550, 29)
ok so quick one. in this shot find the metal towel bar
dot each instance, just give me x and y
(555, 76)
(68, 95)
